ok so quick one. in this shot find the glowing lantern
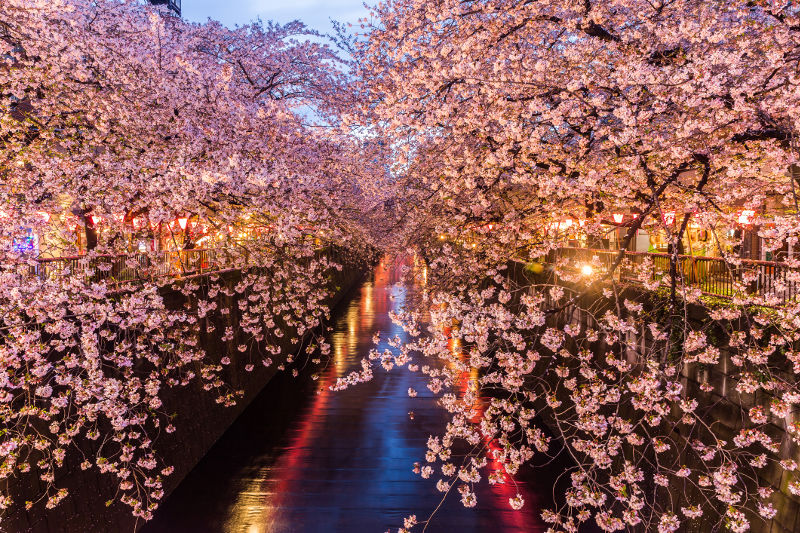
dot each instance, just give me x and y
(491, 226)
(96, 219)
(618, 217)
(669, 217)
(587, 270)
(563, 225)
(746, 216)
(183, 222)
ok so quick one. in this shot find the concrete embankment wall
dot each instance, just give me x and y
(200, 422)
(725, 407)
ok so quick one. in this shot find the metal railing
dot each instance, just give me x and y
(142, 266)
(131, 267)
(775, 282)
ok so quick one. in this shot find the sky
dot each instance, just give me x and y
(314, 13)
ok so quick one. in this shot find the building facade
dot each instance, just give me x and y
(172, 5)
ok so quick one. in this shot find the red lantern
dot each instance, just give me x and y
(669, 218)
(618, 217)
(96, 219)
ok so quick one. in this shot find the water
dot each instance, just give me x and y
(298, 461)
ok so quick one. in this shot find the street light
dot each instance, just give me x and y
(587, 270)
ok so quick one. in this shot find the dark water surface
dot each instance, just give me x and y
(304, 459)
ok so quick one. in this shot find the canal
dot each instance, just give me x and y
(304, 459)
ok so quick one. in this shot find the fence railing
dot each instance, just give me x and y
(140, 266)
(131, 267)
(775, 282)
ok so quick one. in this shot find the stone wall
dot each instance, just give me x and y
(200, 422)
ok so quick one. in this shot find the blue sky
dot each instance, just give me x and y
(314, 13)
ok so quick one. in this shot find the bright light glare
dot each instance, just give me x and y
(587, 270)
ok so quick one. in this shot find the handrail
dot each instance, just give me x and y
(140, 266)
(130, 267)
(776, 282)
(84, 256)
(682, 256)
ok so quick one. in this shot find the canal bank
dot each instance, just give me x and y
(199, 422)
(713, 385)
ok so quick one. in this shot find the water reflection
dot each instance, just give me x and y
(304, 459)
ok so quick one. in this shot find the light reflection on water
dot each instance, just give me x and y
(304, 459)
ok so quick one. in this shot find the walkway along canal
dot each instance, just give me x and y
(304, 459)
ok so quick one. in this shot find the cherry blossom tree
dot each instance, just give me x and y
(510, 119)
(120, 119)
(504, 120)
